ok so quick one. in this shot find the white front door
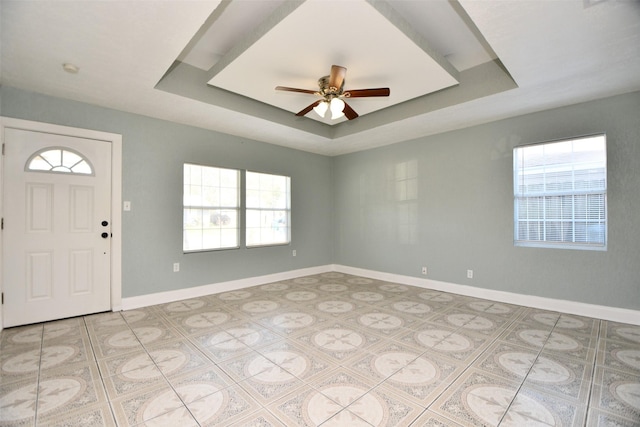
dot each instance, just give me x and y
(57, 226)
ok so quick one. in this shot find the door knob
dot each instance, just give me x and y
(105, 235)
(105, 223)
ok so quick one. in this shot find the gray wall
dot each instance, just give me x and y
(462, 214)
(460, 218)
(153, 154)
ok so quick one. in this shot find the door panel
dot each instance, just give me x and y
(39, 280)
(81, 209)
(56, 262)
(80, 272)
(39, 213)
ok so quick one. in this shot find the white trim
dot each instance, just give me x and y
(215, 288)
(570, 307)
(614, 314)
(116, 191)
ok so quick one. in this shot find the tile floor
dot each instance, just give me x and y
(330, 350)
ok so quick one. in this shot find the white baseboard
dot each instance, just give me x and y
(614, 314)
(215, 288)
(570, 307)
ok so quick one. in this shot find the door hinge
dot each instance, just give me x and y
(2, 224)
(2, 299)
(3, 148)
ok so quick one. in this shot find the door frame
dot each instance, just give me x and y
(116, 194)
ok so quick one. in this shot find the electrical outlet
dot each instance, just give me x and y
(176, 267)
(469, 274)
(424, 271)
(294, 252)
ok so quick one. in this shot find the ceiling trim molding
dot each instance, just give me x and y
(401, 24)
(191, 82)
(278, 15)
(477, 82)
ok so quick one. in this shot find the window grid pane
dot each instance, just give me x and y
(59, 160)
(560, 193)
(268, 209)
(211, 208)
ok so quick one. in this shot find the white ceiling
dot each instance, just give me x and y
(376, 52)
(550, 53)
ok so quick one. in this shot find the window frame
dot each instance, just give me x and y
(544, 195)
(247, 209)
(56, 169)
(238, 208)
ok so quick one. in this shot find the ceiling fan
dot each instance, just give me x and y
(332, 95)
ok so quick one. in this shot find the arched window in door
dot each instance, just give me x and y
(59, 160)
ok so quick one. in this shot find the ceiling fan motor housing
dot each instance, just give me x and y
(325, 89)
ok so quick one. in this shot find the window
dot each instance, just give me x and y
(211, 208)
(560, 191)
(59, 160)
(268, 209)
(405, 177)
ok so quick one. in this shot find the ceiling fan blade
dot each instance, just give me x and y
(309, 108)
(336, 78)
(363, 93)
(349, 112)
(293, 89)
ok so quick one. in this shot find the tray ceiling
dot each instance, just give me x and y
(215, 64)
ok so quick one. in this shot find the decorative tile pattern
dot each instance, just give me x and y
(133, 372)
(305, 406)
(226, 405)
(564, 377)
(18, 403)
(383, 407)
(456, 344)
(577, 324)
(380, 322)
(325, 350)
(471, 321)
(260, 418)
(619, 355)
(417, 377)
(300, 361)
(209, 378)
(532, 407)
(288, 322)
(527, 335)
(267, 380)
(506, 360)
(338, 341)
(598, 418)
(69, 388)
(140, 407)
(493, 308)
(409, 308)
(616, 392)
(98, 415)
(429, 419)
(477, 398)
(621, 332)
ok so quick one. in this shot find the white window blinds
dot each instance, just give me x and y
(560, 193)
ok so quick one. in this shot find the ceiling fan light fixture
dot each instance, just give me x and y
(321, 108)
(337, 107)
(70, 68)
(331, 93)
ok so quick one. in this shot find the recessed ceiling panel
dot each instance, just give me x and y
(300, 48)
